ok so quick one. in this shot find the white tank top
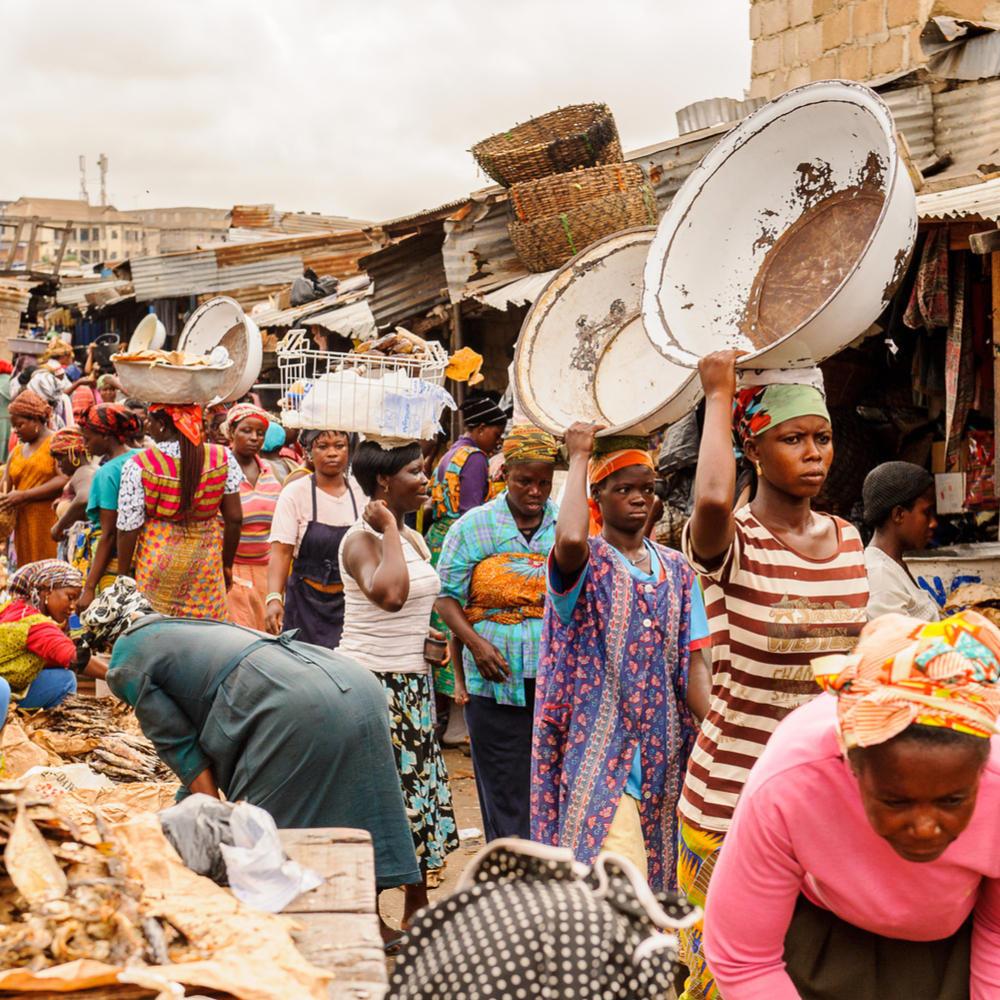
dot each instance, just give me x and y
(385, 641)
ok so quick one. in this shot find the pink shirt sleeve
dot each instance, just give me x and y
(751, 899)
(985, 979)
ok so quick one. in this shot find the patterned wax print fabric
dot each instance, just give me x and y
(32, 537)
(422, 770)
(697, 853)
(612, 682)
(524, 923)
(178, 564)
(258, 502)
(758, 408)
(19, 665)
(499, 578)
(908, 672)
(457, 486)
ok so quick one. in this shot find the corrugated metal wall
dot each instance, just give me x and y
(409, 278)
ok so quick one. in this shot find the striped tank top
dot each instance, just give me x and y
(771, 611)
(258, 502)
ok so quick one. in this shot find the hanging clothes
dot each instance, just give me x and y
(929, 301)
(959, 364)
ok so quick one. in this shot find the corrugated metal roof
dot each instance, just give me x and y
(411, 223)
(976, 199)
(667, 164)
(715, 111)
(262, 265)
(967, 123)
(913, 111)
(354, 319)
(409, 278)
(347, 294)
(478, 254)
(78, 293)
(267, 217)
(15, 293)
(519, 292)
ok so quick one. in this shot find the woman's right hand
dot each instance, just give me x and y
(85, 599)
(275, 618)
(580, 438)
(379, 516)
(718, 373)
(490, 662)
(13, 499)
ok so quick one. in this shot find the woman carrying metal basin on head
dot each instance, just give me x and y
(168, 516)
(783, 584)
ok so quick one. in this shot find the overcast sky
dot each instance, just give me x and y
(365, 109)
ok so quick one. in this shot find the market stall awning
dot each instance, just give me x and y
(974, 199)
(519, 292)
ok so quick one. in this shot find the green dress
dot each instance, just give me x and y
(295, 729)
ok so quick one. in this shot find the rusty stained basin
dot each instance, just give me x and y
(789, 238)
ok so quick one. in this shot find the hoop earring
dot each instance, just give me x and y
(757, 467)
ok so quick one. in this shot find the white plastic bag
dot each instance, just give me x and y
(260, 874)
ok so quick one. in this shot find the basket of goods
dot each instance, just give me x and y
(552, 219)
(389, 387)
(172, 376)
(582, 135)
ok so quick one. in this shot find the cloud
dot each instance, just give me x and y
(360, 109)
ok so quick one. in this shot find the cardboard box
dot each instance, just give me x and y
(938, 453)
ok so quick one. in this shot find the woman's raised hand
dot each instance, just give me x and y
(580, 438)
(718, 373)
(379, 516)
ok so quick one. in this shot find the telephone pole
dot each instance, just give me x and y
(84, 197)
(103, 164)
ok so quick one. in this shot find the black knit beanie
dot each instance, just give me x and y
(891, 485)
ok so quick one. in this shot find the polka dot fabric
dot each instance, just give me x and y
(527, 921)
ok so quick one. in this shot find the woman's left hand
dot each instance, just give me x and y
(13, 499)
(227, 575)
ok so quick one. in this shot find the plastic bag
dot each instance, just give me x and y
(197, 827)
(260, 874)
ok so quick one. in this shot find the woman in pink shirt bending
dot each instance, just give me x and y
(864, 856)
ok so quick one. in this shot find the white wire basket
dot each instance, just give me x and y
(398, 396)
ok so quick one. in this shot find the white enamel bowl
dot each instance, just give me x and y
(222, 321)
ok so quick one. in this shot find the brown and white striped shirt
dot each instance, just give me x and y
(771, 611)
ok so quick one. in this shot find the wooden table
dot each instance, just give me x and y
(340, 917)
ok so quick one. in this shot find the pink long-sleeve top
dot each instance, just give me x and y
(800, 826)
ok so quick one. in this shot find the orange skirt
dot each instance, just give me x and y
(246, 598)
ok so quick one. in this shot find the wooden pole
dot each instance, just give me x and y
(29, 256)
(12, 256)
(62, 247)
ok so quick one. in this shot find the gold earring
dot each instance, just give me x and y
(757, 466)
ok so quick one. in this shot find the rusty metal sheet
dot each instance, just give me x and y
(78, 293)
(715, 111)
(967, 123)
(15, 293)
(913, 112)
(233, 255)
(981, 200)
(265, 217)
(409, 278)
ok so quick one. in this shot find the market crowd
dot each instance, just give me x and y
(772, 722)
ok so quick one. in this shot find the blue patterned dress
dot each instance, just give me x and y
(613, 680)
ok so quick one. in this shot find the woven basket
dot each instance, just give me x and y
(531, 200)
(583, 135)
(550, 241)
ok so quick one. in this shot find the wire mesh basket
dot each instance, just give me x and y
(399, 395)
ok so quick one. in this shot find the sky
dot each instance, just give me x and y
(361, 109)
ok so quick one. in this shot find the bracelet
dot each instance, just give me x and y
(274, 597)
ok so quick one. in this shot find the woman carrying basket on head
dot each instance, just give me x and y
(168, 523)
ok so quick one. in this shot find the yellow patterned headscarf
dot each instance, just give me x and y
(527, 443)
(906, 671)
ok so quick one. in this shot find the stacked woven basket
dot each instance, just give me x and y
(568, 183)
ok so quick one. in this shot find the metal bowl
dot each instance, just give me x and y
(789, 238)
(175, 384)
(583, 354)
(222, 321)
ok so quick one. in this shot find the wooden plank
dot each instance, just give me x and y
(62, 247)
(353, 991)
(122, 992)
(12, 256)
(347, 944)
(345, 858)
(29, 255)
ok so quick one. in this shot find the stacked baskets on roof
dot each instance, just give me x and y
(568, 183)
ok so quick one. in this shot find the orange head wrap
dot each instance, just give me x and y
(602, 465)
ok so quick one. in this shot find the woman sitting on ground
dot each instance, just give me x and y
(38, 660)
(899, 505)
(862, 860)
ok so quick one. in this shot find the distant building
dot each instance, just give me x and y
(176, 229)
(98, 233)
